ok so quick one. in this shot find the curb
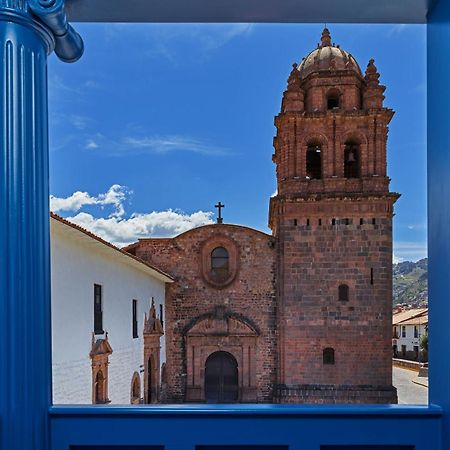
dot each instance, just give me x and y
(420, 383)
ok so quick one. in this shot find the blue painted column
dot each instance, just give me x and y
(25, 342)
(438, 48)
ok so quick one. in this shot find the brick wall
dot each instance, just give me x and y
(313, 261)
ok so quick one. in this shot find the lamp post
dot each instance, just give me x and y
(419, 341)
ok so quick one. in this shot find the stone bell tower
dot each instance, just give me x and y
(332, 220)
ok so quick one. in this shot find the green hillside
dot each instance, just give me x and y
(410, 283)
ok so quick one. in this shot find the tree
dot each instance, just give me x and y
(424, 342)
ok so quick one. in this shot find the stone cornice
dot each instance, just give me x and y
(331, 197)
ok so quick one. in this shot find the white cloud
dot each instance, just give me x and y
(397, 29)
(118, 229)
(138, 145)
(396, 259)
(115, 196)
(215, 36)
(79, 122)
(57, 84)
(122, 231)
(409, 251)
(166, 144)
(92, 84)
(163, 40)
(91, 144)
(417, 226)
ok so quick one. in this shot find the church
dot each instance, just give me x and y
(302, 315)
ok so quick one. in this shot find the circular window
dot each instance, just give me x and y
(219, 261)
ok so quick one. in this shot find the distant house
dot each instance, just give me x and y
(107, 320)
(408, 328)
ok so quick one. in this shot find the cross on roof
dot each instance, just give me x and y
(219, 206)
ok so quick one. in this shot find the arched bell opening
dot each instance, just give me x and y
(314, 161)
(352, 155)
(333, 99)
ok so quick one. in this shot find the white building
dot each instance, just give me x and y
(408, 327)
(108, 344)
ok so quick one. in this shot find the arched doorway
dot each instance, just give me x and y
(221, 378)
(135, 389)
(100, 396)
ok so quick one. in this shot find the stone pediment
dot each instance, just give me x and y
(224, 325)
(101, 347)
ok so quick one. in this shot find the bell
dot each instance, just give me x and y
(351, 157)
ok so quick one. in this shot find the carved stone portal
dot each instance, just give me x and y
(99, 354)
(225, 332)
(153, 330)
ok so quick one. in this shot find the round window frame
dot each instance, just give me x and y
(206, 263)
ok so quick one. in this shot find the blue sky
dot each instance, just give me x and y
(156, 123)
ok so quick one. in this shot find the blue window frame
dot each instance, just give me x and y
(27, 420)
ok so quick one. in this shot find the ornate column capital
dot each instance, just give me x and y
(18, 12)
(68, 43)
(48, 18)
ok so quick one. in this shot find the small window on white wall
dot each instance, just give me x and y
(134, 319)
(98, 310)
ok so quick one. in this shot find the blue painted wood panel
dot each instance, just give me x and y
(438, 159)
(242, 447)
(117, 447)
(299, 428)
(367, 447)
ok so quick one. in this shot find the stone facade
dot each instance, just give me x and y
(306, 312)
(205, 315)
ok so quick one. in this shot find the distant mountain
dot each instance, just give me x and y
(410, 283)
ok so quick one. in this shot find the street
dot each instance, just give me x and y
(407, 391)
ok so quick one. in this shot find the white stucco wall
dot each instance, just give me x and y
(77, 264)
(409, 340)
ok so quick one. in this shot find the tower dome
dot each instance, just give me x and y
(327, 57)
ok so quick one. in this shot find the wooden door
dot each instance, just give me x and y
(221, 378)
